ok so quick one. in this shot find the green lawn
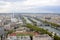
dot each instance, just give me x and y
(24, 35)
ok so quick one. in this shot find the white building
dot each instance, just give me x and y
(7, 27)
(14, 20)
(42, 37)
(18, 38)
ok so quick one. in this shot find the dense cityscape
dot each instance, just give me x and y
(29, 26)
(29, 19)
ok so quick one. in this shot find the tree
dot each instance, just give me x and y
(56, 37)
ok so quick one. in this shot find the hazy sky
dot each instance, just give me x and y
(30, 6)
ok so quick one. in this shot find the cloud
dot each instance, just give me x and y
(9, 6)
(12, 0)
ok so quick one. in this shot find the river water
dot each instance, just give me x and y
(50, 29)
